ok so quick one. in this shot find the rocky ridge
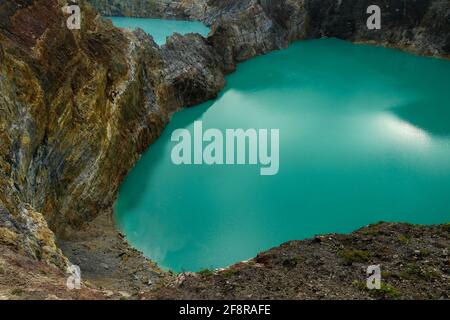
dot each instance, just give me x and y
(414, 263)
(167, 9)
(421, 26)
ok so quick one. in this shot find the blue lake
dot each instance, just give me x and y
(364, 137)
(160, 29)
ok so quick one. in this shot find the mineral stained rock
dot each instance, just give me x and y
(77, 108)
(421, 26)
(167, 9)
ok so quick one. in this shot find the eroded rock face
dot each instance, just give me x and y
(250, 27)
(419, 26)
(78, 107)
(244, 28)
(170, 9)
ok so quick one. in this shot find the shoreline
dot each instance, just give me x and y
(171, 278)
(406, 50)
(414, 259)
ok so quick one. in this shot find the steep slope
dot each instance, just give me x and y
(78, 107)
(178, 9)
(414, 262)
(252, 27)
(244, 28)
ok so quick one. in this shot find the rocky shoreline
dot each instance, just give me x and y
(79, 107)
(414, 261)
(251, 27)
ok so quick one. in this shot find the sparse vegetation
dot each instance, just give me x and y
(360, 285)
(230, 272)
(206, 273)
(412, 271)
(388, 291)
(16, 292)
(355, 256)
(404, 239)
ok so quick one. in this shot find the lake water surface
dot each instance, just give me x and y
(364, 137)
(160, 29)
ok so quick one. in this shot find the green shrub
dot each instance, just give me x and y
(230, 272)
(404, 239)
(16, 291)
(352, 256)
(206, 273)
(389, 291)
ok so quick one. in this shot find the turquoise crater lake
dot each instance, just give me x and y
(364, 137)
(160, 29)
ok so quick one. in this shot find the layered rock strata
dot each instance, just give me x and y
(167, 9)
(258, 26)
(78, 107)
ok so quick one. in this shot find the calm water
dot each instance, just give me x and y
(160, 29)
(364, 137)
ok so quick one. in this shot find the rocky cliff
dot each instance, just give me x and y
(78, 107)
(257, 26)
(169, 9)
(252, 27)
